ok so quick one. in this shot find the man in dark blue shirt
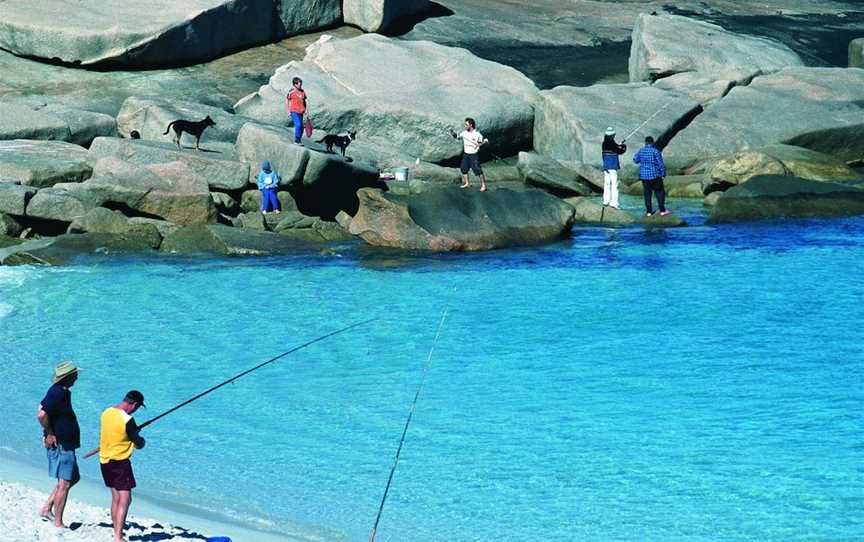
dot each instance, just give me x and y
(652, 170)
(61, 436)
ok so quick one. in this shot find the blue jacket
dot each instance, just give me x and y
(270, 176)
(650, 162)
(611, 150)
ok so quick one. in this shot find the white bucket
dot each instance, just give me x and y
(400, 174)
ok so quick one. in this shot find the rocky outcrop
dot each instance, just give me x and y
(35, 119)
(558, 178)
(775, 196)
(61, 249)
(118, 34)
(821, 109)
(450, 219)
(593, 213)
(676, 186)
(14, 198)
(429, 89)
(663, 45)
(9, 227)
(61, 204)
(379, 15)
(170, 191)
(150, 117)
(220, 171)
(42, 163)
(856, 53)
(570, 121)
(228, 241)
(102, 220)
(322, 184)
(789, 160)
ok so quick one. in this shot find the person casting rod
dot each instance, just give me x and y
(232, 379)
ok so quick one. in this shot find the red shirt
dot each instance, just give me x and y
(296, 101)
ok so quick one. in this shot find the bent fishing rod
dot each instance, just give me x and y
(405, 429)
(244, 373)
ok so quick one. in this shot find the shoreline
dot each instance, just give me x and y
(23, 488)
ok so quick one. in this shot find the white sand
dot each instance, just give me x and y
(23, 490)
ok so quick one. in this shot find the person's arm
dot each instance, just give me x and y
(637, 157)
(260, 180)
(45, 422)
(454, 134)
(661, 166)
(132, 431)
(622, 148)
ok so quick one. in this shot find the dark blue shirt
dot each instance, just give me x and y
(650, 162)
(57, 404)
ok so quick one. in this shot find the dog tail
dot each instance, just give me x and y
(168, 129)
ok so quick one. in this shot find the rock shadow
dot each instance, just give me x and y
(403, 25)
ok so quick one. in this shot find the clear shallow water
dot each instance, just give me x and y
(692, 384)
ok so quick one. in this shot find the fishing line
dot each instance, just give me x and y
(407, 423)
(244, 373)
(646, 121)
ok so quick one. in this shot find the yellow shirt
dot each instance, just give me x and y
(114, 443)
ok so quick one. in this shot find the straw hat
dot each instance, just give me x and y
(64, 369)
(610, 131)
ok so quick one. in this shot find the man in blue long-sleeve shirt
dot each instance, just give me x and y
(651, 173)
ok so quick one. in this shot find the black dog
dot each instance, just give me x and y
(195, 128)
(341, 141)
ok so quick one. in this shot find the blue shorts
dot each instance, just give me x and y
(472, 162)
(62, 464)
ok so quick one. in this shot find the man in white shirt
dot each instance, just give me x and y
(472, 140)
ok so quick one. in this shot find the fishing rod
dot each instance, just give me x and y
(646, 121)
(244, 373)
(405, 429)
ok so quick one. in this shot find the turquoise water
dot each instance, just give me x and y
(697, 384)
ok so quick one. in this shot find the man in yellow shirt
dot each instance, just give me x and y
(117, 440)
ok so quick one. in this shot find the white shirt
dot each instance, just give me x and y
(471, 141)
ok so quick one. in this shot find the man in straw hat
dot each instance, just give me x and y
(118, 438)
(61, 436)
(611, 165)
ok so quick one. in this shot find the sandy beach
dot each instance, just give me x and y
(23, 489)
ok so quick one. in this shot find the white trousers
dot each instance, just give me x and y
(610, 187)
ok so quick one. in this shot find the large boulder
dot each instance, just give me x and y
(9, 226)
(821, 109)
(778, 159)
(593, 213)
(429, 89)
(19, 121)
(43, 163)
(102, 220)
(83, 125)
(556, 177)
(777, 196)
(663, 45)
(150, 117)
(450, 219)
(170, 191)
(115, 33)
(14, 198)
(322, 184)
(379, 15)
(570, 121)
(60, 203)
(61, 249)
(221, 172)
(856, 53)
(228, 241)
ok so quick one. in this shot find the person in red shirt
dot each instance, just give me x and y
(295, 103)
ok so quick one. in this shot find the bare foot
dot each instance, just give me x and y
(483, 188)
(46, 514)
(60, 525)
(466, 185)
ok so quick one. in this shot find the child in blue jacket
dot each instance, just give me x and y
(268, 181)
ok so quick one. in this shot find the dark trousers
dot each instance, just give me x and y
(654, 186)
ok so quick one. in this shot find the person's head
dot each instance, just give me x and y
(470, 124)
(610, 133)
(297, 82)
(133, 401)
(65, 374)
(265, 167)
(649, 140)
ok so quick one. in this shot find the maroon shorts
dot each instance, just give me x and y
(118, 475)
